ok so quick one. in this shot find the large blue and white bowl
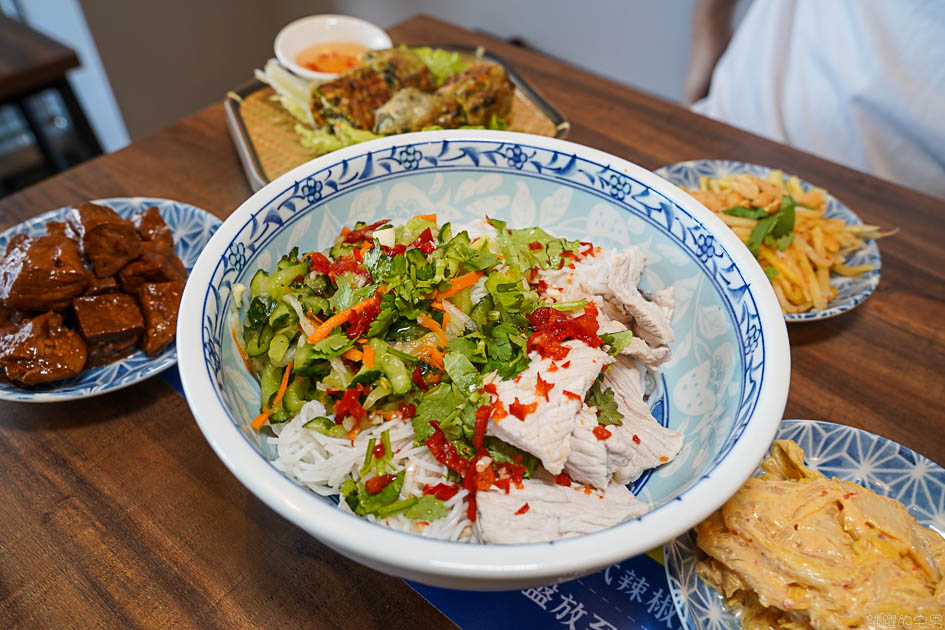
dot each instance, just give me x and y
(725, 387)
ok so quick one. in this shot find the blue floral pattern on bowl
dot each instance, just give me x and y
(712, 382)
(834, 450)
(851, 291)
(192, 228)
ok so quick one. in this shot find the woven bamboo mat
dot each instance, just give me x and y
(272, 136)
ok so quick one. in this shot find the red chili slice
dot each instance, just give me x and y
(349, 405)
(378, 483)
(521, 410)
(535, 246)
(543, 387)
(379, 450)
(571, 395)
(441, 491)
(363, 233)
(479, 429)
(601, 433)
(522, 510)
(417, 377)
(498, 411)
(445, 453)
(563, 480)
(424, 242)
(636, 438)
(553, 327)
(360, 321)
(408, 410)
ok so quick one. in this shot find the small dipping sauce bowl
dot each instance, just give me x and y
(326, 41)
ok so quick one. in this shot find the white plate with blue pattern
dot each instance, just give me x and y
(725, 387)
(851, 291)
(835, 450)
(192, 228)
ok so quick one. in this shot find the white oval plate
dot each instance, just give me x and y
(834, 450)
(192, 228)
(851, 291)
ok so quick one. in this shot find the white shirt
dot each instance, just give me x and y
(859, 82)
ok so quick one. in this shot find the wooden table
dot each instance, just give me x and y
(114, 512)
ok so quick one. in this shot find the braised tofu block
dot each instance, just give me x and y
(159, 303)
(101, 286)
(108, 241)
(60, 228)
(355, 95)
(158, 263)
(16, 241)
(42, 350)
(482, 90)
(42, 273)
(111, 325)
(151, 226)
(400, 68)
(105, 353)
(109, 317)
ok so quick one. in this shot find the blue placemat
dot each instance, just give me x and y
(630, 595)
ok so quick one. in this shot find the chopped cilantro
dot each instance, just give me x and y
(461, 371)
(427, 508)
(348, 293)
(443, 403)
(603, 400)
(771, 272)
(746, 213)
(332, 346)
(618, 340)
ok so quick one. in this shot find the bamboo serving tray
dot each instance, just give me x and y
(265, 138)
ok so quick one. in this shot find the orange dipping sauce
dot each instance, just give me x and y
(331, 57)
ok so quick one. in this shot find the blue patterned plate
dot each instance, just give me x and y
(192, 228)
(851, 291)
(725, 386)
(834, 450)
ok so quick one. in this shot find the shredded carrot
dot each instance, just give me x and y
(353, 433)
(366, 247)
(241, 351)
(434, 356)
(345, 231)
(459, 283)
(446, 319)
(282, 386)
(260, 420)
(368, 356)
(362, 341)
(352, 355)
(427, 217)
(438, 306)
(324, 329)
(429, 323)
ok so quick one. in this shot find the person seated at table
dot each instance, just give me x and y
(859, 82)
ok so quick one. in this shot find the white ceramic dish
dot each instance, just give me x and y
(317, 29)
(725, 388)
